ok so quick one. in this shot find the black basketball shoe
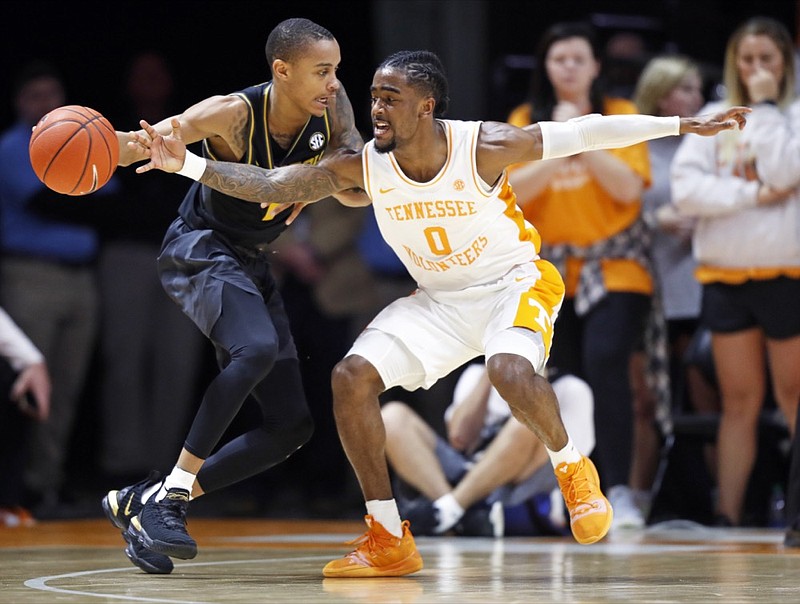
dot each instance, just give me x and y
(122, 505)
(161, 526)
(482, 520)
(420, 513)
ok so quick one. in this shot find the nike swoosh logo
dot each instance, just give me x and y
(127, 510)
(94, 180)
(389, 190)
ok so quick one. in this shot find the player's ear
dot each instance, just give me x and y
(427, 106)
(280, 69)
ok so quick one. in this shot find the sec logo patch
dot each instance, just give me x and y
(316, 141)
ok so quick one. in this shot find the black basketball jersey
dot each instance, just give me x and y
(244, 222)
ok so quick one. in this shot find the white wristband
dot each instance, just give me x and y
(593, 131)
(193, 166)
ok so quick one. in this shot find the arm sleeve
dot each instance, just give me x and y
(594, 131)
(15, 345)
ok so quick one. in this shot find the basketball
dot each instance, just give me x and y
(74, 150)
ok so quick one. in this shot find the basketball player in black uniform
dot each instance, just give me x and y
(214, 265)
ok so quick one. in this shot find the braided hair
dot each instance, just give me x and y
(424, 72)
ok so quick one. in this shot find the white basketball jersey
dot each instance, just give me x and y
(454, 231)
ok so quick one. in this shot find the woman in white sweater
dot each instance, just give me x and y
(743, 189)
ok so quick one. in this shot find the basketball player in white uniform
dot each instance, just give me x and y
(443, 203)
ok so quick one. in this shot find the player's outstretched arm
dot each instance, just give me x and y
(501, 144)
(592, 132)
(288, 184)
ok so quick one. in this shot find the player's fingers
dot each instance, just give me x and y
(176, 128)
(298, 207)
(151, 132)
(139, 149)
(143, 138)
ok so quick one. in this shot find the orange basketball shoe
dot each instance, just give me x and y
(590, 513)
(378, 554)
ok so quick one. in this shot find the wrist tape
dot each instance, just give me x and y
(193, 166)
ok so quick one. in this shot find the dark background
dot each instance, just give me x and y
(217, 47)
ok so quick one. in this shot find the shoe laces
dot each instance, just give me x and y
(172, 514)
(579, 488)
(372, 543)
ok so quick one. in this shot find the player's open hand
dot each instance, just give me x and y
(166, 153)
(709, 125)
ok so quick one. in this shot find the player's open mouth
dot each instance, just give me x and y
(379, 128)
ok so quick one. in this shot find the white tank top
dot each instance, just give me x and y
(454, 231)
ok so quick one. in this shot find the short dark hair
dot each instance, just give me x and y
(291, 37)
(425, 72)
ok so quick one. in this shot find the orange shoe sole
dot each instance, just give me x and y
(410, 565)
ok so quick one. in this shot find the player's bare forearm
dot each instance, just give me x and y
(353, 198)
(282, 185)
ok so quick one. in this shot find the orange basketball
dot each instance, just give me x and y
(74, 150)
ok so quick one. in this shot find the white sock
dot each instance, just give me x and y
(150, 491)
(177, 479)
(385, 511)
(450, 512)
(569, 454)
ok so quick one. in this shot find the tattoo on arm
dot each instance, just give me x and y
(287, 184)
(239, 131)
(346, 135)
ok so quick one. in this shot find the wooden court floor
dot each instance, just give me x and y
(259, 560)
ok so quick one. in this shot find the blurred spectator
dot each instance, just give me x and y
(150, 351)
(24, 397)
(487, 466)
(742, 188)
(587, 209)
(47, 278)
(669, 85)
(389, 277)
(625, 55)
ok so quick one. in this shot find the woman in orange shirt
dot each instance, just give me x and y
(587, 209)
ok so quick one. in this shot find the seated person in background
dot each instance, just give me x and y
(488, 466)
